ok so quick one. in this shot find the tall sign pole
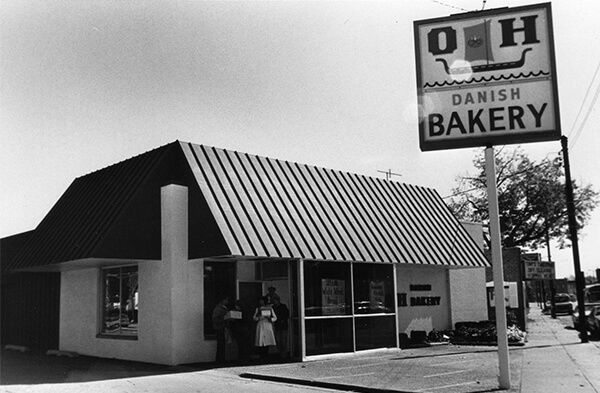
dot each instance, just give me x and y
(498, 270)
(483, 79)
(579, 279)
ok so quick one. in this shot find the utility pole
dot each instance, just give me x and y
(579, 279)
(552, 290)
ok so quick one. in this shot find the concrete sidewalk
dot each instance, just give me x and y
(553, 360)
(557, 361)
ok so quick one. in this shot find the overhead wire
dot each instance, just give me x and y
(576, 135)
(450, 5)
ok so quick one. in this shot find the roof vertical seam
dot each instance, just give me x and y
(329, 213)
(317, 201)
(299, 207)
(402, 231)
(256, 202)
(418, 249)
(350, 217)
(337, 216)
(419, 226)
(314, 216)
(275, 214)
(386, 217)
(235, 202)
(290, 206)
(356, 209)
(375, 217)
(216, 200)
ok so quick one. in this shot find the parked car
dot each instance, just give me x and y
(575, 315)
(594, 320)
(562, 302)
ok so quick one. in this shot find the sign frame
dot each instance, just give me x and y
(539, 270)
(491, 137)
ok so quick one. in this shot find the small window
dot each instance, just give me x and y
(120, 306)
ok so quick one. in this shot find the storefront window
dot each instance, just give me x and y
(373, 288)
(324, 336)
(375, 332)
(121, 297)
(327, 288)
(348, 307)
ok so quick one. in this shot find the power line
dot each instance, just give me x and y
(449, 5)
(584, 99)
(589, 110)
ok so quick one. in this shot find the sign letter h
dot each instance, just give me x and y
(508, 31)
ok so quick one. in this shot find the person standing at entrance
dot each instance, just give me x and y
(218, 320)
(281, 327)
(241, 330)
(265, 335)
(271, 295)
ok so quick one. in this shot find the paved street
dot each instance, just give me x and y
(553, 360)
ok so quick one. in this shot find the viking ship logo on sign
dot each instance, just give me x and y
(486, 78)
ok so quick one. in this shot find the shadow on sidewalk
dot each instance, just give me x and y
(30, 368)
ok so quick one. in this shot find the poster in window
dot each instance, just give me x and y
(333, 296)
(377, 295)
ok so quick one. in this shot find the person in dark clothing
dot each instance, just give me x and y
(281, 326)
(241, 330)
(218, 319)
(271, 295)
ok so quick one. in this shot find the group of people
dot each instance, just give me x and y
(271, 327)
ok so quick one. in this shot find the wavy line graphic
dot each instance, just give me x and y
(488, 79)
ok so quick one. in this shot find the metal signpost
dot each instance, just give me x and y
(483, 79)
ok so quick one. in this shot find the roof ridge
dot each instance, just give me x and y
(403, 184)
(127, 159)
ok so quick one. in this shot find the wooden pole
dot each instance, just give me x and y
(579, 279)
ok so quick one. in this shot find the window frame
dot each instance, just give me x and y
(355, 288)
(119, 334)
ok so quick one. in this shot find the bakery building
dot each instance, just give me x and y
(132, 259)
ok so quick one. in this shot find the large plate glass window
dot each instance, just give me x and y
(373, 288)
(328, 289)
(121, 296)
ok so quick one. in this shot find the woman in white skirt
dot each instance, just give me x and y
(265, 335)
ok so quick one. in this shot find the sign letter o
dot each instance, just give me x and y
(433, 40)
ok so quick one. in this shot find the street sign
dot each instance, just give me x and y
(487, 78)
(539, 270)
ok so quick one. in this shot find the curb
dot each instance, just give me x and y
(321, 384)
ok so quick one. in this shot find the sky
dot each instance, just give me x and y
(86, 84)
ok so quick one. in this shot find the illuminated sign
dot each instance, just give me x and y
(487, 78)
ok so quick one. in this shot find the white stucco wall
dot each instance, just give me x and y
(170, 315)
(468, 295)
(170, 323)
(80, 319)
(462, 297)
(424, 318)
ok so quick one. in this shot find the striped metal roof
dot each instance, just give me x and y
(244, 205)
(84, 215)
(271, 208)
